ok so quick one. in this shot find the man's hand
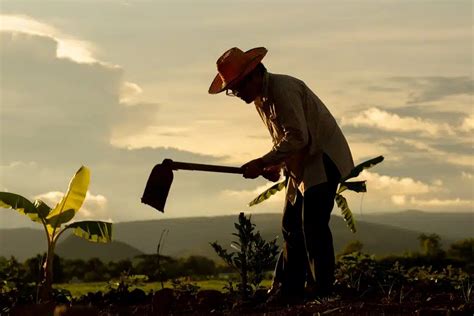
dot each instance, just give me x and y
(253, 168)
(272, 173)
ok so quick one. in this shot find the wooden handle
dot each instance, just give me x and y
(176, 165)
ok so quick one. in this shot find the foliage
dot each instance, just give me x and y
(353, 246)
(159, 247)
(182, 285)
(462, 249)
(346, 212)
(14, 289)
(393, 282)
(198, 265)
(269, 192)
(356, 186)
(430, 244)
(126, 281)
(253, 255)
(17, 289)
(53, 218)
(356, 270)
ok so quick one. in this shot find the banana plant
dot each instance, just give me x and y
(55, 221)
(357, 186)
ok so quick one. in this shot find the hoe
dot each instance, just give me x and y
(161, 177)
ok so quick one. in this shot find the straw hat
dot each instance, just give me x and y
(234, 65)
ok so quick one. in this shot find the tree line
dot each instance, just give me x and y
(155, 267)
(160, 267)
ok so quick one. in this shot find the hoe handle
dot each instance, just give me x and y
(176, 165)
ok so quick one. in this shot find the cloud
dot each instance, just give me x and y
(468, 123)
(380, 119)
(19, 164)
(433, 154)
(217, 138)
(430, 204)
(434, 203)
(398, 199)
(68, 47)
(467, 175)
(78, 108)
(396, 185)
(65, 99)
(94, 206)
(369, 149)
(406, 192)
(438, 88)
(71, 116)
(128, 92)
(249, 195)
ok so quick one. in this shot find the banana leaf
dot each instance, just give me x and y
(20, 204)
(357, 186)
(64, 217)
(346, 212)
(74, 197)
(268, 193)
(95, 231)
(42, 208)
(360, 167)
(17, 202)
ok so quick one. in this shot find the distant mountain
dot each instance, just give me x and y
(74, 247)
(24, 243)
(381, 234)
(452, 225)
(192, 235)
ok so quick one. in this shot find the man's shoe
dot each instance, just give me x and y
(278, 298)
(316, 293)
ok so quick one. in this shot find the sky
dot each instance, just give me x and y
(118, 86)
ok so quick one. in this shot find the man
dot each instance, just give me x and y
(313, 153)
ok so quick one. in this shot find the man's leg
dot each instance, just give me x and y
(277, 275)
(318, 204)
(290, 270)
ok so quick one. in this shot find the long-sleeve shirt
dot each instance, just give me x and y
(302, 130)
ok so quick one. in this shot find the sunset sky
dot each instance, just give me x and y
(120, 85)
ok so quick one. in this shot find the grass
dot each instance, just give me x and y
(79, 289)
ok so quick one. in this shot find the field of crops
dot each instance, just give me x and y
(82, 288)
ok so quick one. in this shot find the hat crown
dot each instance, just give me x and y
(234, 65)
(231, 64)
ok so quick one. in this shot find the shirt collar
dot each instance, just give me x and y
(265, 81)
(262, 100)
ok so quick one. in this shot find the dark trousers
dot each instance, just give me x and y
(308, 252)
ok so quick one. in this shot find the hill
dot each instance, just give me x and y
(24, 243)
(74, 247)
(191, 236)
(452, 225)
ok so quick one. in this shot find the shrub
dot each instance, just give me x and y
(254, 256)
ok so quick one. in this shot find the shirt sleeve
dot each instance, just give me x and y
(289, 113)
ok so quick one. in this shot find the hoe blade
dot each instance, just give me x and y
(158, 186)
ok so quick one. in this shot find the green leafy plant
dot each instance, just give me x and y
(393, 282)
(462, 282)
(356, 271)
(185, 286)
(253, 255)
(430, 244)
(357, 186)
(53, 220)
(126, 281)
(159, 247)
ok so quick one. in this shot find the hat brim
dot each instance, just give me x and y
(255, 56)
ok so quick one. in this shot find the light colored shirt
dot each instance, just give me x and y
(302, 130)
